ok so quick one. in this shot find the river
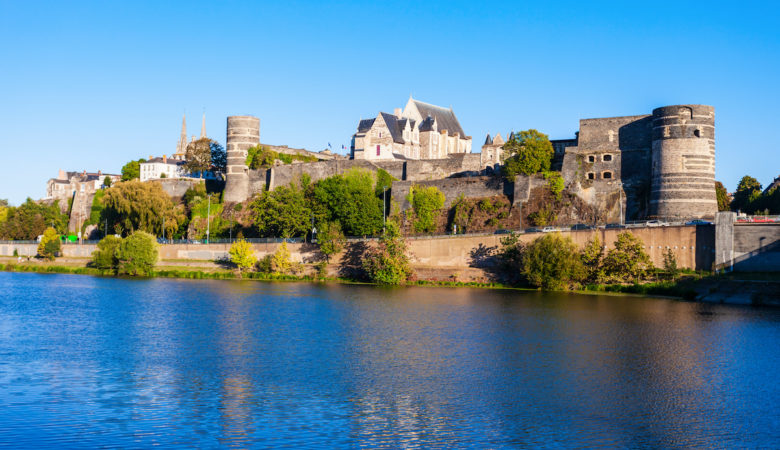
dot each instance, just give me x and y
(88, 361)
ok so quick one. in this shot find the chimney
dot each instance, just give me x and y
(61, 175)
(150, 158)
(398, 112)
(165, 159)
(100, 173)
(84, 174)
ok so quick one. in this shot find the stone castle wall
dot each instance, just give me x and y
(452, 188)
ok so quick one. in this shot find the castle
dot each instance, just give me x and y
(659, 165)
(420, 131)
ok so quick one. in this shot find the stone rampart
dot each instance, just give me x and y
(177, 187)
(746, 247)
(452, 188)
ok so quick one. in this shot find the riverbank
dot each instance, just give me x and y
(760, 289)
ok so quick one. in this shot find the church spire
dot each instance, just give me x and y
(203, 127)
(181, 148)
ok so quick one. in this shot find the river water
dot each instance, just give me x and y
(87, 362)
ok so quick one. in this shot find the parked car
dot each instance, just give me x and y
(548, 229)
(533, 230)
(611, 226)
(502, 231)
(656, 223)
(698, 222)
(581, 226)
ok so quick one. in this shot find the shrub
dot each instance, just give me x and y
(487, 206)
(555, 183)
(105, 257)
(670, 264)
(461, 215)
(322, 269)
(137, 254)
(50, 244)
(283, 212)
(264, 265)
(242, 255)
(426, 201)
(531, 152)
(591, 256)
(552, 262)
(388, 263)
(260, 157)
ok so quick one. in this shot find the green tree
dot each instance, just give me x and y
(529, 152)
(218, 157)
(198, 155)
(426, 202)
(280, 262)
(592, 255)
(627, 261)
(137, 254)
(670, 264)
(555, 183)
(724, 202)
(132, 170)
(50, 245)
(748, 190)
(105, 257)
(331, 239)
(28, 220)
(242, 255)
(351, 200)
(552, 262)
(132, 206)
(107, 180)
(282, 212)
(510, 254)
(388, 263)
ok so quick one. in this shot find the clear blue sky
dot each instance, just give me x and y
(93, 85)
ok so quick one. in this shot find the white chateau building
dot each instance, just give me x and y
(420, 131)
(173, 167)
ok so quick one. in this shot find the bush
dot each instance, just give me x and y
(105, 257)
(260, 157)
(591, 256)
(331, 239)
(531, 152)
(388, 263)
(461, 215)
(281, 263)
(552, 262)
(137, 254)
(264, 265)
(555, 183)
(50, 245)
(425, 201)
(670, 264)
(283, 212)
(242, 255)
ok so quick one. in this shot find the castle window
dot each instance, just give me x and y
(606, 175)
(606, 158)
(697, 133)
(377, 150)
(591, 158)
(591, 176)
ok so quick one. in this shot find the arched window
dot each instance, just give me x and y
(606, 175)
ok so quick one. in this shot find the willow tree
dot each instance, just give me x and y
(134, 206)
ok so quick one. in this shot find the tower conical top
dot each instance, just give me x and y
(203, 126)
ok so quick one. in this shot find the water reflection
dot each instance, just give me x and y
(200, 363)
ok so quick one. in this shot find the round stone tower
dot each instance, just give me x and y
(683, 159)
(243, 132)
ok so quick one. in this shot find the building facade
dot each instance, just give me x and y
(163, 167)
(67, 184)
(419, 131)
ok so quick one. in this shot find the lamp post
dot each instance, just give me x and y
(163, 230)
(208, 220)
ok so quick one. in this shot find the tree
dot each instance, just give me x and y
(258, 157)
(592, 255)
(242, 255)
(105, 257)
(198, 156)
(351, 200)
(628, 261)
(748, 190)
(107, 180)
(723, 196)
(425, 201)
(28, 220)
(280, 262)
(218, 157)
(132, 206)
(132, 170)
(331, 239)
(282, 212)
(387, 263)
(670, 263)
(529, 152)
(552, 262)
(50, 245)
(137, 254)
(555, 183)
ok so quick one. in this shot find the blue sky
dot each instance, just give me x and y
(90, 86)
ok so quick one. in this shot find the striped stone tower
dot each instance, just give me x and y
(683, 159)
(243, 132)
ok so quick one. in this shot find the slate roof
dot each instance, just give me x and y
(176, 162)
(365, 125)
(488, 140)
(427, 124)
(445, 118)
(396, 131)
